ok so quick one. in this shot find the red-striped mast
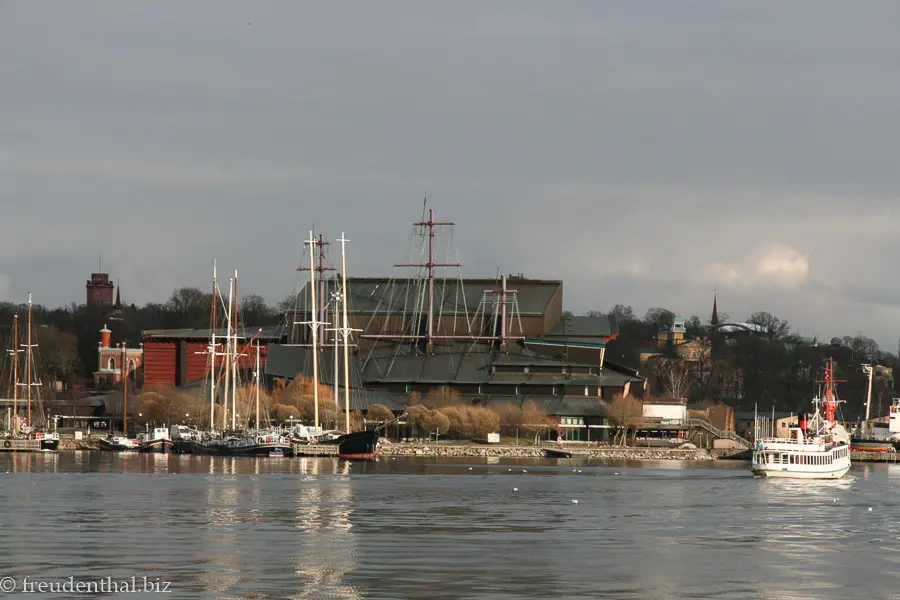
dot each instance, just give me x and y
(831, 400)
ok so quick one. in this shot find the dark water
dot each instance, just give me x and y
(319, 528)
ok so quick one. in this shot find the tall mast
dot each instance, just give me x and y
(225, 386)
(430, 224)
(124, 371)
(28, 359)
(15, 383)
(257, 385)
(337, 300)
(315, 326)
(234, 354)
(345, 331)
(212, 352)
(319, 268)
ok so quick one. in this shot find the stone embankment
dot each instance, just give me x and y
(70, 444)
(441, 450)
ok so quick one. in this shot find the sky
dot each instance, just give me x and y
(646, 153)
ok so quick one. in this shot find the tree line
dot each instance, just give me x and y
(67, 336)
(769, 367)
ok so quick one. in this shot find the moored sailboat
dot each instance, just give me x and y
(818, 448)
(357, 444)
(34, 426)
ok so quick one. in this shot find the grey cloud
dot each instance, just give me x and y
(637, 150)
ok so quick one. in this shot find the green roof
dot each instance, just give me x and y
(586, 327)
(402, 296)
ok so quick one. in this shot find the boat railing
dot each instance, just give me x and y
(816, 441)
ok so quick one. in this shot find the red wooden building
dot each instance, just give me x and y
(175, 357)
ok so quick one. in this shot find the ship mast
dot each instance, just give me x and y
(225, 387)
(430, 224)
(29, 358)
(501, 336)
(233, 323)
(15, 382)
(831, 400)
(124, 373)
(313, 324)
(257, 385)
(345, 330)
(212, 352)
(15, 352)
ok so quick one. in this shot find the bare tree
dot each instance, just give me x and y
(674, 376)
(772, 326)
(659, 316)
(626, 412)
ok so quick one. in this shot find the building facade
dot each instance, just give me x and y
(176, 357)
(114, 362)
(99, 290)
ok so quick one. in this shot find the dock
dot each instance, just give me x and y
(888, 457)
(20, 445)
(316, 449)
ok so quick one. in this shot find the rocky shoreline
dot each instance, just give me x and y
(484, 451)
(439, 450)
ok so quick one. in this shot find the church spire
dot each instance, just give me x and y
(715, 314)
(118, 305)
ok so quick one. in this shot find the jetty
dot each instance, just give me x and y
(316, 449)
(20, 445)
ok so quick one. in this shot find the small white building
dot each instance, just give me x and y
(666, 409)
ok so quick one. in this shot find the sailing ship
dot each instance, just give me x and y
(34, 424)
(357, 444)
(818, 448)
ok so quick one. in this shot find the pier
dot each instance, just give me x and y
(888, 457)
(20, 445)
(316, 449)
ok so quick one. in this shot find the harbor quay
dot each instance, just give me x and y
(471, 450)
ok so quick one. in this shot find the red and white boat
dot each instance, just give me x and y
(818, 448)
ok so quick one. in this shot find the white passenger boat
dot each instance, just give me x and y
(818, 448)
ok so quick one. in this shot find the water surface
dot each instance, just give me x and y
(222, 527)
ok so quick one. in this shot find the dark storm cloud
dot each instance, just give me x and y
(644, 152)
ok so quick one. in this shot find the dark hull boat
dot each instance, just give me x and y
(360, 445)
(183, 446)
(51, 445)
(871, 445)
(118, 444)
(263, 450)
(158, 446)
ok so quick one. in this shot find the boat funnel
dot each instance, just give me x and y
(803, 422)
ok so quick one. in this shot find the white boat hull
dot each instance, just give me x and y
(773, 471)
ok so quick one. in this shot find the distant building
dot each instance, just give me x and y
(176, 357)
(114, 361)
(672, 342)
(99, 290)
